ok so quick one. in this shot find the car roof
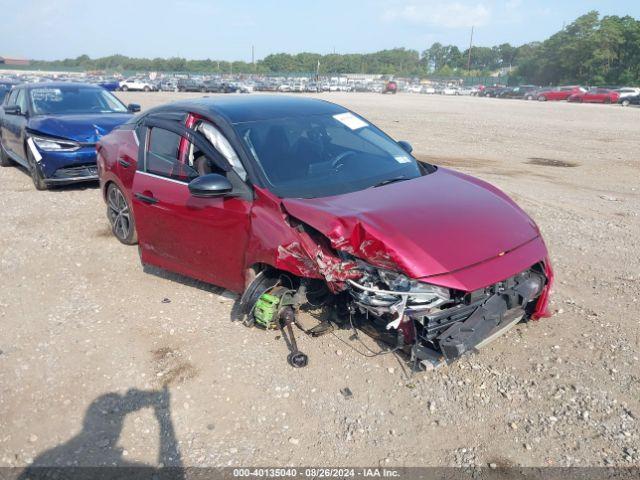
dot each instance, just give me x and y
(250, 108)
(60, 85)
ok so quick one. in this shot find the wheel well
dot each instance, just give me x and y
(105, 187)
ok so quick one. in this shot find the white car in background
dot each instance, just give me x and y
(628, 92)
(465, 91)
(450, 91)
(137, 84)
(414, 88)
(428, 90)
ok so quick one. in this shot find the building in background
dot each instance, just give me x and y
(18, 62)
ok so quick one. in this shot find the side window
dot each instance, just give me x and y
(21, 100)
(11, 98)
(162, 156)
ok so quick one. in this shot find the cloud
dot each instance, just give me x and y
(454, 14)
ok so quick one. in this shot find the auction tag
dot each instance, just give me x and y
(350, 120)
(402, 159)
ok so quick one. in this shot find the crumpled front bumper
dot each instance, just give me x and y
(69, 167)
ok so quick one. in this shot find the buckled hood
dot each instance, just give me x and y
(427, 226)
(86, 128)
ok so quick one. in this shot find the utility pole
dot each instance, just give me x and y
(253, 56)
(470, 46)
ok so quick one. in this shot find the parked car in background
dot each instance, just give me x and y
(517, 92)
(559, 93)
(626, 101)
(465, 91)
(491, 91)
(110, 84)
(137, 85)
(168, 86)
(51, 129)
(216, 86)
(596, 95)
(243, 191)
(450, 91)
(191, 85)
(628, 92)
(391, 87)
(429, 90)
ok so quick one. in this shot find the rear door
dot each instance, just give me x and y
(204, 238)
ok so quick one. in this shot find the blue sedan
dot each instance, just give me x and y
(52, 129)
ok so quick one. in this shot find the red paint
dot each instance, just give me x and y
(561, 93)
(597, 95)
(445, 228)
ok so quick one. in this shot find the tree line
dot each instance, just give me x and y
(592, 50)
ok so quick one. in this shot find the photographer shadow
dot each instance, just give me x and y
(96, 445)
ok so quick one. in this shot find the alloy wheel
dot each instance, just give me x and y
(119, 214)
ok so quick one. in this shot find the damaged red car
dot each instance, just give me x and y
(297, 202)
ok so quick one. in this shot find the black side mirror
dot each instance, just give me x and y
(406, 146)
(210, 185)
(12, 110)
(133, 107)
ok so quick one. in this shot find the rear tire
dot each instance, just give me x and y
(125, 88)
(120, 216)
(146, 89)
(5, 161)
(626, 103)
(35, 173)
(542, 98)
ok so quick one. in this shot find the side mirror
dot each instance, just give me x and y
(12, 110)
(406, 146)
(133, 107)
(210, 185)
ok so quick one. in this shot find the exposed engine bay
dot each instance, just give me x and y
(431, 324)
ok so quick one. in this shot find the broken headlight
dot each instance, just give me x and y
(383, 288)
(422, 293)
(50, 144)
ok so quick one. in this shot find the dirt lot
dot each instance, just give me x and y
(89, 338)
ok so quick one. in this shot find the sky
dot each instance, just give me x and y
(227, 29)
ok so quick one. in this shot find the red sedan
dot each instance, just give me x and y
(596, 95)
(295, 201)
(558, 93)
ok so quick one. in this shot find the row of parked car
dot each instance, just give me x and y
(571, 93)
(247, 192)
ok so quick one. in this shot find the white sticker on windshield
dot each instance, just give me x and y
(46, 94)
(350, 120)
(402, 159)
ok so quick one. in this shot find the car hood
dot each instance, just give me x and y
(87, 128)
(431, 225)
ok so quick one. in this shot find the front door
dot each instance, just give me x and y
(204, 238)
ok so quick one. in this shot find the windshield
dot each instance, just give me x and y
(324, 155)
(52, 101)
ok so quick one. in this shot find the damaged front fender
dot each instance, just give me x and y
(282, 241)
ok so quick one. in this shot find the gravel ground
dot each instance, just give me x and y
(89, 338)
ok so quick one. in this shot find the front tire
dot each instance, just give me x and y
(125, 88)
(626, 103)
(120, 216)
(35, 173)
(146, 89)
(542, 98)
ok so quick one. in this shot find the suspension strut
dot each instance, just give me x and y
(286, 318)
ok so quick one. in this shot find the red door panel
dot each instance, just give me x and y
(204, 238)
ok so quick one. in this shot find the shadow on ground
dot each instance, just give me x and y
(97, 444)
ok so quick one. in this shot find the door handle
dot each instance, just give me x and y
(146, 198)
(123, 162)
